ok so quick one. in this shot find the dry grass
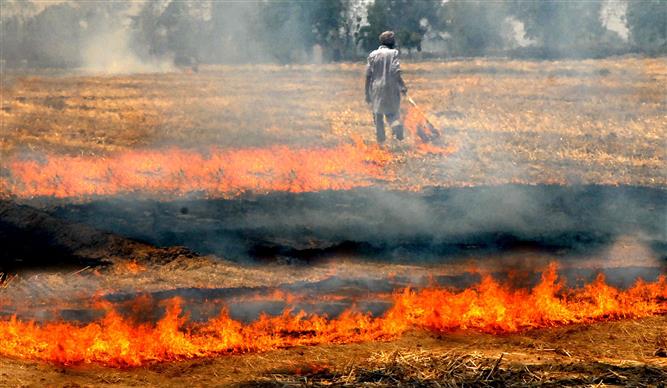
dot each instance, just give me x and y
(437, 369)
(593, 121)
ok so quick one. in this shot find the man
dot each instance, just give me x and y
(384, 86)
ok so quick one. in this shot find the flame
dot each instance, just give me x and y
(489, 307)
(418, 125)
(216, 172)
(423, 133)
(132, 267)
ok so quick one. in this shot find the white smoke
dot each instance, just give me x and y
(109, 47)
(110, 52)
(612, 16)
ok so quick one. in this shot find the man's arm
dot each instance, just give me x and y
(369, 81)
(401, 84)
(396, 68)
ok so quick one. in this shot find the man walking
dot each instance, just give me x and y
(384, 86)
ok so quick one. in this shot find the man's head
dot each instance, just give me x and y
(388, 39)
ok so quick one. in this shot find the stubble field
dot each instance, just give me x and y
(571, 130)
(595, 121)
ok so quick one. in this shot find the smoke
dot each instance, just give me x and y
(543, 29)
(153, 35)
(385, 225)
(613, 17)
(111, 42)
(110, 51)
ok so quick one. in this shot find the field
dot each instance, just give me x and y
(252, 189)
(526, 122)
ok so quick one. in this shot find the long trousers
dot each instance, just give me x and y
(394, 123)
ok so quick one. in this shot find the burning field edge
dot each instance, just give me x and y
(626, 353)
(490, 307)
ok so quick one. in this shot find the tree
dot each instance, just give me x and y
(232, 37)
(647, 21)
(474, 26)
(183, 32)
(13, 18)
(149, 37)
(54, 36)
(291, 28)
(562, 28)
(410, 20)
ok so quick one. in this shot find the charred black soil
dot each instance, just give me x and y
(376, 224)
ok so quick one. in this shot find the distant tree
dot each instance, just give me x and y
(474, 26)
(290, 29)
(647, 21)
(327, 20)
(14, 16)
(231, 37)
(182, 31)
(410, 20)
(12, 39)
(150, 38)
(53, 36)
(352, 23)
(561, 28)
(13, 20)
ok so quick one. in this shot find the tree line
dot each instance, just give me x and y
(292, 31)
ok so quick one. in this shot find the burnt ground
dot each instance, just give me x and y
(350, 244)
(358, 246)
(34, 240)
(374, 224)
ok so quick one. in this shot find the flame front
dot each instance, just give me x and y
(488, 307)
(215, 172)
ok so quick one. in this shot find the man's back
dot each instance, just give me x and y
(385, 80)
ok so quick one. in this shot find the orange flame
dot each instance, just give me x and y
(416, 124)
(133, 267)
(415, 121)
(488, 307)
(216, 172)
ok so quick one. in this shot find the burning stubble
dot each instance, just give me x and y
(215, 173)
(262, 165)
(487, 307)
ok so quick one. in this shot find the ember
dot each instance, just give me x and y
(489, 307)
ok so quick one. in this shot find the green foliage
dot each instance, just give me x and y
(647, 21)
(184, 33)
(148, 32)
(561, 28)
(54, 36)
(294, 27)
(410, 20)
(474, 26)
(286, 30)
